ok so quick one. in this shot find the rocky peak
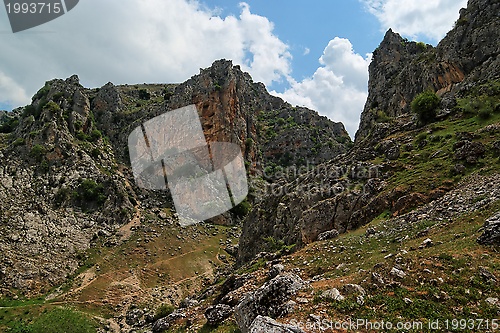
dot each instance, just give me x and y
(401, 69)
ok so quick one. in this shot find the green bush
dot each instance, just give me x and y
(61, 196)
(18, 142)
(43, 92)
(382, 117)
(249, 142)
(421, 45)
(242, 209)
(90, 191)
(420, 137)
(425, 106)
(52, 107)
(95, 135)
(30, 110)
(38, 152)
(485, 113)
(9, 125)
(144, 94)
(80, 135)
(163, 311)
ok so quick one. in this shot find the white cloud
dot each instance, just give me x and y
(412, 18)
(135, 41)
(16, 95)
(338, 89)
(306, 51)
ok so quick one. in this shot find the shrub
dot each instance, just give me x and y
(249, 142)
(242, 209)
(52, 107)
(30, 110)
(163, 311)
(485, 113)
(425, 106)
(9, 125)
(37, 152)
(18, 142)
(144, 94)
(43, 92)
(61, 196)
(80, 135)
(382, 117)
(421, 45)
(78, 124)
(420, 138)
(90, 191)
(95, 135)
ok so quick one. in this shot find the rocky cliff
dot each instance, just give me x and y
(401, 69)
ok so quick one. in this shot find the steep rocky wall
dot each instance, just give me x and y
(401, 69)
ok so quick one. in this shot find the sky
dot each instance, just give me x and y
(314, 54)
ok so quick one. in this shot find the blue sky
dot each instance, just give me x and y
(314, 54)
(312, 25)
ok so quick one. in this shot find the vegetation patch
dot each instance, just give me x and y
(425, 106)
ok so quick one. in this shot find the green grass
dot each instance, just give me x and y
(455, 258)
(57, 320)
(226, 327)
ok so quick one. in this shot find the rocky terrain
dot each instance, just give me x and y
(401, 225)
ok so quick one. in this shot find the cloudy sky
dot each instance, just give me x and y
(310, 53)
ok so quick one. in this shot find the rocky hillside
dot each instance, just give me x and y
(402, 225)
(397, 164)
(65, 178)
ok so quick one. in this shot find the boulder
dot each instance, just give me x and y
(216, 314)
(331, 234)
(269, 300)
(332, 295)
(469, 151)
(491, 233)
(163, 324)
(353, 289)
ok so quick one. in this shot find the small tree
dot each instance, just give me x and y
(425, 106)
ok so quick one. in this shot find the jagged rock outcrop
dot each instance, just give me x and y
(401, 69)
(268, 300)
(54, 197)
(263, 324)
(322, 199)
(491, 233)
(235, 109)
